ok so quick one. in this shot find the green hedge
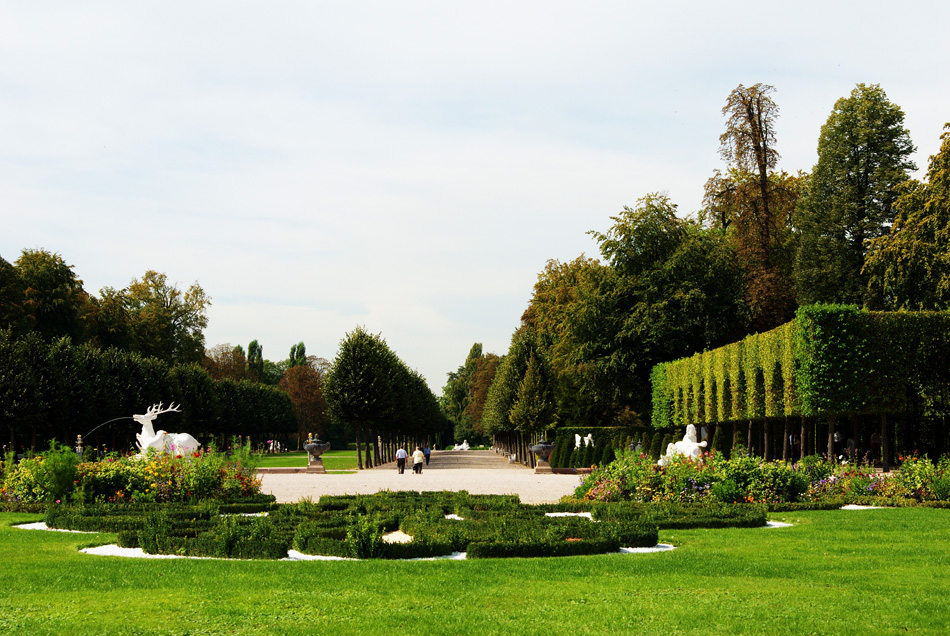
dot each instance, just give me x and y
(830, 360)
(606, 440)
(352, 526)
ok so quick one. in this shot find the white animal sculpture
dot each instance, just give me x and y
(177, 443)
(688, 447)
(463, 446)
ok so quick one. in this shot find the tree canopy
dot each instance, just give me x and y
(909, 268)
(863, 159)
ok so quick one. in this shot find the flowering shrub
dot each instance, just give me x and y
(48, 478)
(746, 478)
(156, 477)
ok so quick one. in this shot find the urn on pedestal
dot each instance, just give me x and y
(315, 448)
(542, 450)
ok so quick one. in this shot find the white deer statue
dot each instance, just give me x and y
(177, 443)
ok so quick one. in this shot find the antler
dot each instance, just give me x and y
(156, 409)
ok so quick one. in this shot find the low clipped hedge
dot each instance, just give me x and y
(492, 526)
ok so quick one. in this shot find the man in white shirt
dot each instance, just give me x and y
(401, 456)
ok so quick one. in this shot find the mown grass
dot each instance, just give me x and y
(342, 460)
(834, 572)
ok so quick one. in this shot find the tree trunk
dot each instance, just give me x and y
(359, 459)
(767, 439)
(886, 445)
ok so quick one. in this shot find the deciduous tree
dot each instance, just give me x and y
(909, 268)
(53, 296)
(168, 323)
(747, 198)
(304, 384)
(863, 158)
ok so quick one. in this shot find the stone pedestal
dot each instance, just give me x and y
(542, 451)
(315, 448)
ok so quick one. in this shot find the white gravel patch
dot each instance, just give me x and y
(41, 525)
(659, 547)
(857, 507)
(570, 514)
(531, 488)
(138, 553)
(777, 524)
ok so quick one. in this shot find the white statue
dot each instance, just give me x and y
(688, 447)
(176, 443)
(463, 446)
(587, 441)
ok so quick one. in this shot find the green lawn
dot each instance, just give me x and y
(333, 460)
(834, 572)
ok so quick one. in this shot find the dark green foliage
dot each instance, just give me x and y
(348, 526)
(60, 387)
(588, 456)
(561, 456)
(863, 158)
(607, 456)
(720, 443)
(667, 440)
(657, 447)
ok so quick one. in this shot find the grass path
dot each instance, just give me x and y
(343, 460)
(835, 572)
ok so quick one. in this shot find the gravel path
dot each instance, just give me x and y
(491, 479)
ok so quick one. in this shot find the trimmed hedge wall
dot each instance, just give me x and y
(830, 360)
(607, 439)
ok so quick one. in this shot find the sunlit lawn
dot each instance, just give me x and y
(333, 460)
(834, 572)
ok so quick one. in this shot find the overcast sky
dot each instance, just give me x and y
(406, 166)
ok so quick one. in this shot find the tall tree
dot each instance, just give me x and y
(863, 158)
(533, 410)
(168, 323)
(11, 297)
(224, 361)
(359, 387)
(760, 215)
(304, 384)
(909, 268)
(298, 355)
(485, 368)
(53, 297)
(456, 394)
(674, 288)
(255, 360)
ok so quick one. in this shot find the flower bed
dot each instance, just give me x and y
(745, 478)
(57, 476)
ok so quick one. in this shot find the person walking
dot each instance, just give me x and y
(401, 456)
(426, 451)
(418, 459)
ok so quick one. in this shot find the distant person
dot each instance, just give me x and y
(418, 459)
(426, 451)
(401, 456)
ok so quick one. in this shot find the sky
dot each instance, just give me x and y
(408, 167)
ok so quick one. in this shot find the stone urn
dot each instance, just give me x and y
(315, 448)
(542, 450)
